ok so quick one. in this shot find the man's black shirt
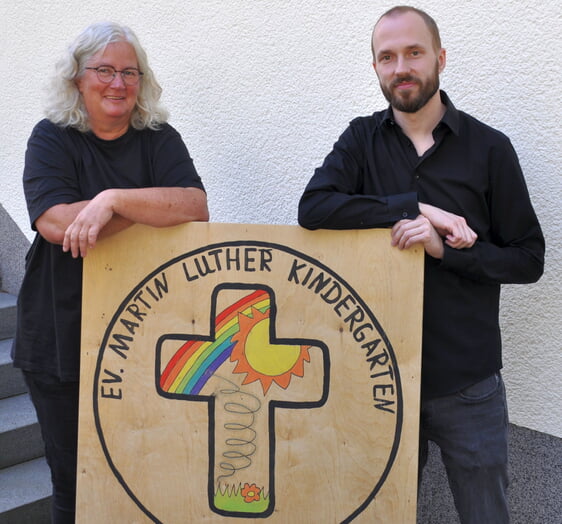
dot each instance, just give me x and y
(374, 177)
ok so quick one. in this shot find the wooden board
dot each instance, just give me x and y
(249, 373)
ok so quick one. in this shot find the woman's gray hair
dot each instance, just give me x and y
(65, 106)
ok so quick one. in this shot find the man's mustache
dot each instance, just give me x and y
(405, 78)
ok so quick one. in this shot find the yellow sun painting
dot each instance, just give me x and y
(261, 360)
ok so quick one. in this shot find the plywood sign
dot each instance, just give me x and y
(237, 373)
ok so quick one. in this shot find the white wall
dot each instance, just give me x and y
(260, 90)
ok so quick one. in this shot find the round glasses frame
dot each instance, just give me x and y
(106, 74)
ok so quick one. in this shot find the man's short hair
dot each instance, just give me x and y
(429, 22)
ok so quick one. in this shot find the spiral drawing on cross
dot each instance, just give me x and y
(244, 372)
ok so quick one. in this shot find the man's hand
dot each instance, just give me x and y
(406, 233)
(451, 227)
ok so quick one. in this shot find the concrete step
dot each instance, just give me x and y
(7, 315)
(20, 437)
(11, 379)
(25, 493)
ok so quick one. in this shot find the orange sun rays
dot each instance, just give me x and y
(261, 360)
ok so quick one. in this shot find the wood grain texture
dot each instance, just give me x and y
(303, 350)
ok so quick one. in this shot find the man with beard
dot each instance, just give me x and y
(442, 179)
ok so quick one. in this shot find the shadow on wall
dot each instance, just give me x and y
(13, 247)
(535, 476)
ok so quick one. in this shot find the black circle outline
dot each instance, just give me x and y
(279, 247)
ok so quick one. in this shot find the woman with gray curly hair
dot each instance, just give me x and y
(102, 160)
(65, 106)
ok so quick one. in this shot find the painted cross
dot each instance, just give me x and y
(238, 369)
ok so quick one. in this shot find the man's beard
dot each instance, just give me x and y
(407, 102)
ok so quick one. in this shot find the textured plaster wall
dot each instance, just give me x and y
(260, 90)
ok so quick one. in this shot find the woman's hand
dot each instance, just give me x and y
(82, 234)
(115, 209)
